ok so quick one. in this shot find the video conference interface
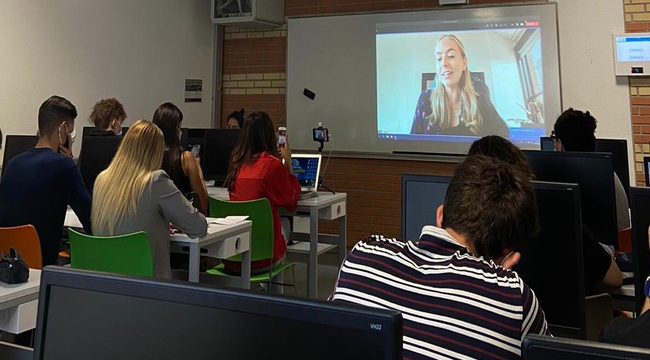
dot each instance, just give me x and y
(459, 81)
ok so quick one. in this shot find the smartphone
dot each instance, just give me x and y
(321, 134)
(282, 136)
(196, 150)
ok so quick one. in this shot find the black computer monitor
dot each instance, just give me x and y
(536, 347)
(646, 170)
(640, 208)
(16, 145)
(560, 289)
(86, 315)
(618, 149)
(546, 143)
(421, 196)
(87, 129)
(219, 144)
(594, 173)
(96, 155)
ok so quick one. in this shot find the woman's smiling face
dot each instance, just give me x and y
(450, 62)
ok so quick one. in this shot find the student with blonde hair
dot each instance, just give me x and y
(458, 102)
(146, 199)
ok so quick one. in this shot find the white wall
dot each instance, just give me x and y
(587, 66)
(140, 51)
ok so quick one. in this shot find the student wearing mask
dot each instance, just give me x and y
(108, 115)
(146, 199)
(235, 120)
(453, 286)
(256, 171)
(38, 185)
(180, 165)
(600, 267)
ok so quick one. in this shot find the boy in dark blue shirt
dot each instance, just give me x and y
(38, 185)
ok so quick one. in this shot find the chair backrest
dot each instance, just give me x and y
(25, 240)
(126, 254)
(259, 212)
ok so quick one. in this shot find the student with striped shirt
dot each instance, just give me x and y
(458, 298)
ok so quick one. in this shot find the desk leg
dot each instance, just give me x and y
(343, 239)
(195, 258)
(246, 269)
(312, 264)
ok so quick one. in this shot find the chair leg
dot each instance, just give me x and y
(295, 284)
(277, 284)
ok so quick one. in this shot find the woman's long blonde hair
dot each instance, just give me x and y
(442, 114)
(119, 187)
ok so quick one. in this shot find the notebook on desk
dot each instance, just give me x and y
(306, 167)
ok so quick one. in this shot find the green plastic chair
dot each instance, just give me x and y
(126, 254)
(259, 212)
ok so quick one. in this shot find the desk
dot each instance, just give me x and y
(623, 298)
(19, 304)
(222, 241)
(325, 206)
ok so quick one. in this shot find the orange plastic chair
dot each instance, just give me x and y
(25, 240)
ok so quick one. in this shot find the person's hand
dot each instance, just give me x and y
(285, 154)
(510, 260)
(66, 151)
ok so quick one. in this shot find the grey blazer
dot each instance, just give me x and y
(162, 203)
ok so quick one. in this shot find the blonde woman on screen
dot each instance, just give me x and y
(458, 102)
(133, 194)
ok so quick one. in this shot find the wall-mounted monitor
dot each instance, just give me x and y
(632, 54)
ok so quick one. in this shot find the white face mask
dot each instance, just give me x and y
(180, 135)
(73, 135)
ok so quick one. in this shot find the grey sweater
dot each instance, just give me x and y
(162, 203)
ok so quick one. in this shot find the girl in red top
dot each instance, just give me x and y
(256, 171)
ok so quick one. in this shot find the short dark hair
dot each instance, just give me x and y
(576, 130)
(105, 111)
(492, 204)
(237, 115)
(496, 147)
(53, 112)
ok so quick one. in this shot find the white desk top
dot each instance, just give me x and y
(625, 290)
(12, 295)
(215, 231)
(322, 200)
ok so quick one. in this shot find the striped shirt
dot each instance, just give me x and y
(454, 305)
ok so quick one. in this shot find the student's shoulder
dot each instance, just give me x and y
(379, 242)
(160, 176)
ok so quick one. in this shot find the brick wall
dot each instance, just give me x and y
(254, 78)
(637, 19)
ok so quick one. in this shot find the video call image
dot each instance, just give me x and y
(305, 170)
(460, 85)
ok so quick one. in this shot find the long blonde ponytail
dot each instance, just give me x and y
(119, 187)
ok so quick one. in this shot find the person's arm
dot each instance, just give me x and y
(622, 205)
(534, 321)
(614, 276)
(192, 169)
(600, 267)
(177, 209)
(78, 197)
(281, 184)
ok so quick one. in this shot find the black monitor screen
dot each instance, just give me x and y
(421, 197)
(537, 347)
(594, 173)
(640, 208)
(219, 144)
(546, 144)
(16, 145)
(122, 319)
(96, 155)
(560, 289)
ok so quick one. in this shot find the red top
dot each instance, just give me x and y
(268, 178)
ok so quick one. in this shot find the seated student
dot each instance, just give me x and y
(181, 166)
(38, 185)
(108, 115)
(600, 267)
(574, 131)
(256, 171)
(235, 120)
(454, 287)
(146, 199)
